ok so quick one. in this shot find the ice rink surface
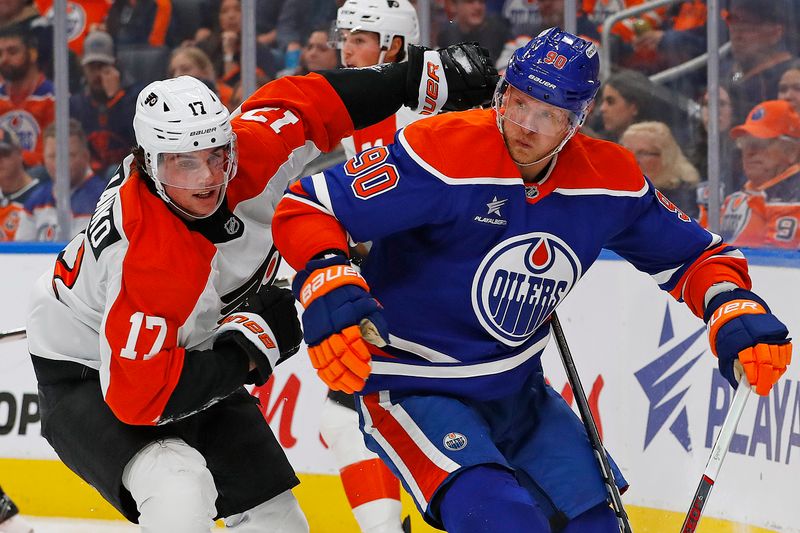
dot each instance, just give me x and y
(65, 525)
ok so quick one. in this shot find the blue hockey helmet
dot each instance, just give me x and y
(557, 68)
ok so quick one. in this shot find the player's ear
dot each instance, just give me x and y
(394, 50)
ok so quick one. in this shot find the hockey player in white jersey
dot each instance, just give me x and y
(151, 321)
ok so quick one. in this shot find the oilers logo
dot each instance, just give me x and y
(736, 216)
(76, 19)
(454, 441)
(520, 282)
(24, 125)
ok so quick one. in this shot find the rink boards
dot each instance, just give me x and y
(644, 362)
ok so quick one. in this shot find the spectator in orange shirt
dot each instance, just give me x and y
(767, 211)
(27, 98)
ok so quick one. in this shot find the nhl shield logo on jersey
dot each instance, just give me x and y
(454, 441)
(520, 282)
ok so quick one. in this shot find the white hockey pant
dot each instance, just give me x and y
(339, 428)
(175, 493)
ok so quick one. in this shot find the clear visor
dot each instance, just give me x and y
(527, 112)
(205, 169)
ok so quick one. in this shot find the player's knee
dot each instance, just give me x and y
(489, 498)
(598, 519)
(339, 428)
(280, 514)
(173, 489)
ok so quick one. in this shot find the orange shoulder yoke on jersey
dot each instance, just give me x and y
(587, 163)
(301, 231)
(164, 271)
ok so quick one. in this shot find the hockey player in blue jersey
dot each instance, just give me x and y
(482, 221)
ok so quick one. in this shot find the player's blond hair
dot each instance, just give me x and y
(675, 168)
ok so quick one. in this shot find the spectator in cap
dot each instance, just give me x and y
(766, 211)
(27, 98)
(759, 55)
(19, 191)
(40, 222)
(104, 107)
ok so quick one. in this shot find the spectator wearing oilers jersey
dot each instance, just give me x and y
(766, 212)
(27, 98)
(19, 191)
(83, 16)
(482, 222)
(40, 223)
(104, 107)
(152, 320)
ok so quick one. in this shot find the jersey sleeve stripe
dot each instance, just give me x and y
(308, 202)
(321, 191)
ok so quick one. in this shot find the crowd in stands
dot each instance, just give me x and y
(118, 46)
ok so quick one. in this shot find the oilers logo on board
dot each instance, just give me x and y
(520, 282)
(454, 441)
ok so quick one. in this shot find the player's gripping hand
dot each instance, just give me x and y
(338, 308)
(455, 78)
(741, 326)
(266, 329)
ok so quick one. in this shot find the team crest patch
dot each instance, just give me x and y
(520, 282)
(454, 441)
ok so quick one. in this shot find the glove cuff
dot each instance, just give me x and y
(259, 341)
(322, 276)
(728, 305)
(427, 83)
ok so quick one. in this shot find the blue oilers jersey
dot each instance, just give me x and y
(469, 261)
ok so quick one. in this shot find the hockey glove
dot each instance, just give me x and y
(266, 329)
(455, 78)
(338, 308)
(741, 326)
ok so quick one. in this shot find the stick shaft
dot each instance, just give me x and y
(590, 425)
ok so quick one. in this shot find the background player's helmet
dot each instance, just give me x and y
(387, 18)
(557, 68)
(182, 115)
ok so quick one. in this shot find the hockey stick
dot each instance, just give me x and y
(591, 428)
(718, 452)
(13, 335)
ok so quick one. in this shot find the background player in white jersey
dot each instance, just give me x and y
(373, 32)
(482, 222)
(153, 319)
(367, 33)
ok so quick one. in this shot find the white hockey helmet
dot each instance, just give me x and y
(179, 116)
(387, 18)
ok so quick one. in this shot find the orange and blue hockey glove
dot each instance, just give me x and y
(339, 312)
(741, 326)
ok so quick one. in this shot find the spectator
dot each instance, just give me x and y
(191, 61)
(41, 223)
(766, 211)
(281, 25)
(663, 162)
(680, 37)
(27, 98)
(317, 54)
(104, 108)
(19, 191)
(627, 97)
(83, 16)
(789, 85)
(223, 47)
(758, 53)
(470, 23)
(729, 161)
(139, 22)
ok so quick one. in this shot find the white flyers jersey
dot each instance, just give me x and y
(141, 287)
(380, 134)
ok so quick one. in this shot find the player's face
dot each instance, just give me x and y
(531, 128)
(789, 88)
(617, 113)
(195, 180)
(763, 159)
(360, 48)
(15, 60)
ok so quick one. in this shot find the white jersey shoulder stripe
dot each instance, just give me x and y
(447, 179)
(602, 192)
